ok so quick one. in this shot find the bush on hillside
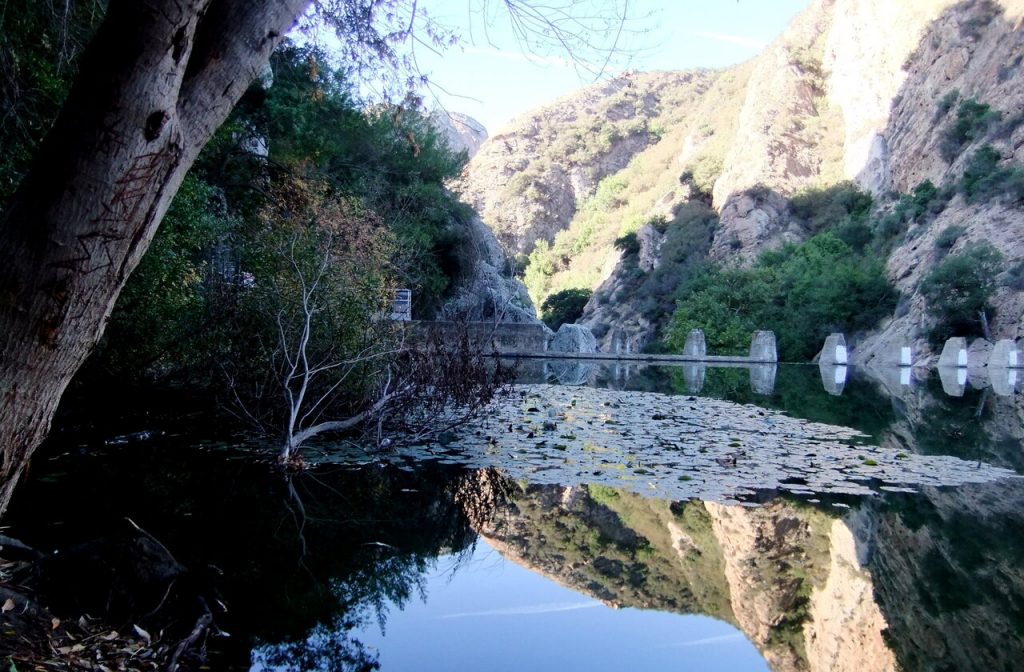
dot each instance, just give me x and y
(973, 120)
(958, 291)
(948, 237)
(801, 292)
(564, 307)
(985, 180)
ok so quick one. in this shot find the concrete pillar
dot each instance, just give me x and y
(695, 345)
(904, 356)
(954, 353)
(762, 348)
(834, 350)
(1005, 355)
(762, 376)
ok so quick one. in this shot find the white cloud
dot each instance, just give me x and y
(740, 40)
(528, 610)
(706, 640)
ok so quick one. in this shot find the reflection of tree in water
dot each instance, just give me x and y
(948, 576)
(385, 576)
(296, 579)
(799, 392)
(955, 425)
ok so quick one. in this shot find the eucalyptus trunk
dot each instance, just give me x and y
(158, 79)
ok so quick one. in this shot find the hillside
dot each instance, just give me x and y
(883, 123)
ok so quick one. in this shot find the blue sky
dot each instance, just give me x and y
(490, 614)
(491, 79)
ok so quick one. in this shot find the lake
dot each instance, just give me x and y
(600, 517)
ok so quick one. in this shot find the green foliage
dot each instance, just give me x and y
(948, 237)
(958, 290)
(628, 243)
(801, 292)
(841, 205)
(918, 207)
(162, 310)
(39, 53)
(985, 180)
(1014, 277)
(564, 307)
(946, 103)
(214, 271)
(973, 120)
(702, 174)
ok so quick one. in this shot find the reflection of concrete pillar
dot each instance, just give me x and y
(762, 376)
(762, 348)
(1004, 355)
(693, 376)
(833, 378)
(1004, 380)
(954, 378)
(834, 350)
(954, 353)
(695, 345)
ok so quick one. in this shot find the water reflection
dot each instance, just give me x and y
(815, 577)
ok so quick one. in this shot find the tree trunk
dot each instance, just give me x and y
(158, 79)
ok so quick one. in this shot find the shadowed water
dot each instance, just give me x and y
(624, 522)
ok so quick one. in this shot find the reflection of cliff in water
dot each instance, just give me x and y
(918, 582)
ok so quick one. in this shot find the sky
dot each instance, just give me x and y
(490, 78)
(491, 614)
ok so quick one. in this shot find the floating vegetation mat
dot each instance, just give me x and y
(678, 448)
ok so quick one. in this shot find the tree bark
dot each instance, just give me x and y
(158, 79)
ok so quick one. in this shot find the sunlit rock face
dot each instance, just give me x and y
(529, 179)
(852, 90)
(793, 579)
(845, 628)
(463, 133)
(487, 291)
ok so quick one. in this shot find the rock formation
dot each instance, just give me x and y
(861, 90)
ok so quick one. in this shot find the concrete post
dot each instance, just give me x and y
(905, 357)
(762, 348)
(834, 350)
(1004, 355)
(954, 353)
(695, 345)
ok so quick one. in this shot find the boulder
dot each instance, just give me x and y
(573, 338)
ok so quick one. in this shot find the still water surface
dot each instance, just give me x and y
(652, 518)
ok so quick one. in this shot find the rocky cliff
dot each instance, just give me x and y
(792, 579)
(463, 133)
(865, 90)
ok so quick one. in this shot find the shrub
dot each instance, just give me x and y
(822, 209)
(1014, 277)
(946, 104)
(948, 237)
(563, 307)
(972, 122)
(628, 243)
(958, 290)
(984, 179)
(802, 292)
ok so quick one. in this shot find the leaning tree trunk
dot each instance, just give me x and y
(158, 79)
